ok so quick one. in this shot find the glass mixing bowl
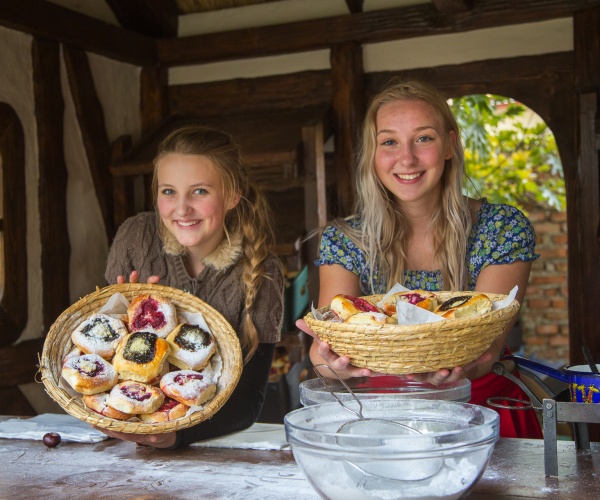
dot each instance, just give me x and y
(444, 459)
(389, 387)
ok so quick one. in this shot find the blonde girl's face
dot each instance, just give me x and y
(411, 151)
(191, 202)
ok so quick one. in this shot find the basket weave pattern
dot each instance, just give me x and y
(402, 349)
(58, 344)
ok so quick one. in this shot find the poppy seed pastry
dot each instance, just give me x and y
(188, 387)
(141, 356)
(99, 334)
(135, 397)
(97, 403)
(152, 313)
(191, 347)
(89, 373)
(464, 306)
(420, 298)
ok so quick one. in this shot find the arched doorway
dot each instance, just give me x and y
(511, 157)
(13, 223)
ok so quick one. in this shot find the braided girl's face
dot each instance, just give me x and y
(191, 201)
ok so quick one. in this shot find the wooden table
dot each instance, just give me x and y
(118, 470)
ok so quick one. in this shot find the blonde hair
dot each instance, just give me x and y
(249, 222)
(384, 231)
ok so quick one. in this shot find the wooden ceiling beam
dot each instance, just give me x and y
(48, 20)
(365, 27)
(453, 6)
(155, 18)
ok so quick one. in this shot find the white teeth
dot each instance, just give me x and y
(188, 223)
(407, 177)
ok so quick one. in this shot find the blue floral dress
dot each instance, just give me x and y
(501, 235)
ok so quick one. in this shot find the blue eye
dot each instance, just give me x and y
(425, 138)
(200, 191)
(167, 192)
(389, 142)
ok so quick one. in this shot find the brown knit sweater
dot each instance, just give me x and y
(138, 246)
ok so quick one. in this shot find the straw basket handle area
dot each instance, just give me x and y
(58, 343)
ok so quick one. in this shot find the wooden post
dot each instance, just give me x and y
(348, 109)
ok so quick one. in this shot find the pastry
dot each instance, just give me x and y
(191, 347)
(99, 334)
(188, 387)
(89, 373)
(370, 318)
(345, 306)
(97, 403)
(169, 410)
(141, 356)
(135, 397)
(152, 313)
(464, 306)
(419, 298)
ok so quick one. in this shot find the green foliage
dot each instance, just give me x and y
(508, 160)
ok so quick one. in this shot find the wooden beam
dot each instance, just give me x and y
(355, 6)
(52, 187)
(366, 27)
(347, 76)
(48, 20)
(154, 101)
(154, 18)
(93, 130)
(242, 96)
(452, 6)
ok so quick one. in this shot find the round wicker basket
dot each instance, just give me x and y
(58, 344)
(402, 349)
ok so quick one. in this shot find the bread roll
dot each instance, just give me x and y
(99, 334)
(97, 403)
(141, 356)
(370, 318)
(420, 298)
(135, 398)
(188, 387)
(191, 347)
(152, 313)
(346, 305)
(169, 410)
(465, 306)
(89, 373)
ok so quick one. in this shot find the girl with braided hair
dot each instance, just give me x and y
(209, 235)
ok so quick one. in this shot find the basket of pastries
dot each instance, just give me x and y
(412, 331)
(141, 358)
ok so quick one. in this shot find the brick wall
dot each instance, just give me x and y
(544, 314)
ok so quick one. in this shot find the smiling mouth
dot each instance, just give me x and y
(408, 177)
(188, 223)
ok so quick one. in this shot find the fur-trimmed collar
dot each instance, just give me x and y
(225, 255)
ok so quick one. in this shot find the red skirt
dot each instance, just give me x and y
(513, 423)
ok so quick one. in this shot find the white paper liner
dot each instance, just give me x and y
(116, 306)
(410, 314)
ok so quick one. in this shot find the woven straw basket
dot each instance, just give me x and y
(402, 349)
(58, 344)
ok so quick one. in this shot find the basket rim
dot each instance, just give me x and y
(227, 343)
(447, 324)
